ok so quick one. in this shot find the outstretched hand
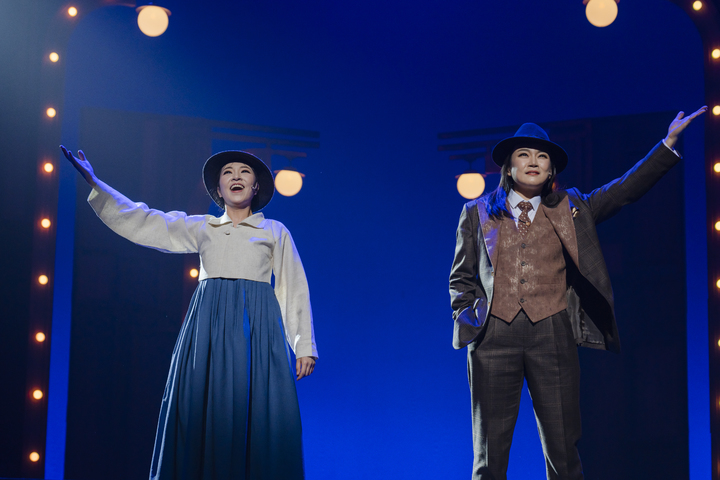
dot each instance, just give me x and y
(304, 366)
(82, 165)
(679, 124)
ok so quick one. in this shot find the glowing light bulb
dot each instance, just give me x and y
(288, 182)
(54, 57)
(153, 20)
(45, 223)
(601, 13)
(37, 394)
(470, 185)
(72, 11)
(34, 457)
(48, 167)
(716, 110)
(40, 337)
(51, 112)
(715, 53)
(194, 273)
(43, 279)
(717, 225)
(697, 5)
(716, 167)
(717, 284)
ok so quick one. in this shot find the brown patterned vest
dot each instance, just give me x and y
(530, 271)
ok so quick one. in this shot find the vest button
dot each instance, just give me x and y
(522, 281)
(227, 233)
(523, 263)
(523, 245)
(522, 300)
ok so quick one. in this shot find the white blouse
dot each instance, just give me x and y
(253, 250)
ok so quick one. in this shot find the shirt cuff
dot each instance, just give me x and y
(671, 149)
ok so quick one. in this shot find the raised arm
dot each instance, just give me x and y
(606, 201)
(172, 232)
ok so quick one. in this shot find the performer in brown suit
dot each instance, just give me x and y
(529, 284)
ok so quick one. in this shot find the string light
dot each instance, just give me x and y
(697, 5)
(715, 53)
(51, 112)
(45, 223)
(54, 57)
(43, 280)
(716, 110)
(37, 394)
(34, 457)
(72, 11)
(49, 167)
(194, 273)
(40, 337)
(717, 225)
(716, 167)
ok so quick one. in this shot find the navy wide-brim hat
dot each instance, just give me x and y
(263, 175)
(530, 135)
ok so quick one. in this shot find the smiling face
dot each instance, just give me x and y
(530, 169)
(237, 185)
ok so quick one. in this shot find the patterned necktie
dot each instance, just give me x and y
(524, 218)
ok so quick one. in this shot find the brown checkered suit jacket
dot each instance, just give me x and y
(574, 216)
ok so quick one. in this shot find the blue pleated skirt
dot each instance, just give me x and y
(230, 409)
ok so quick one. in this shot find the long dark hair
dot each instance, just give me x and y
(496, 201)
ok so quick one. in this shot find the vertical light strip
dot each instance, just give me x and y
(61, 324)
(696, 277)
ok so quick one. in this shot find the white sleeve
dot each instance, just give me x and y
(291, 290)
(172, 232)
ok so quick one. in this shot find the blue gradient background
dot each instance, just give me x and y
(375, 220)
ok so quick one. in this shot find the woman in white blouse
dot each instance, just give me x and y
(230, 408)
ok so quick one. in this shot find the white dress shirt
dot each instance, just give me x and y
(514, 199)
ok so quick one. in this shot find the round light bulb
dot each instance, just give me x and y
(717, 284)
(716, 110)
(34, 457)
(471, 185)
(717, 225)
(40, 337)
(72, 11)
(54, 57)
(152, 20)
(715, 53)
(601, 13)
(45, 223)
(716, 167)
(697, 5)
(194, 273)
(288, 182)
(48, 167)
(51, 112)
(37, 394)
(43, 280)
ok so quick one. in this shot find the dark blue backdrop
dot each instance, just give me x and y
(375, 220)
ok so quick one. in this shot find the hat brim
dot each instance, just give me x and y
(504, 148)
(211, 176)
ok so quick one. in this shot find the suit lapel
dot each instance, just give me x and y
(561, 218)
(491, 233)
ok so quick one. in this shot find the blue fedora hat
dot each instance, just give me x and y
(530, 135)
